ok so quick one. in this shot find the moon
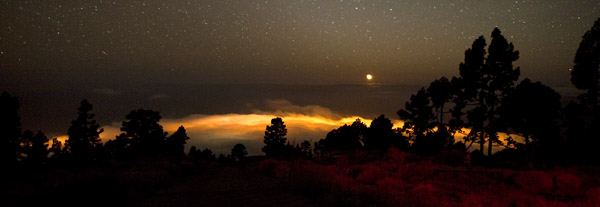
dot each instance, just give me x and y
(369, 77)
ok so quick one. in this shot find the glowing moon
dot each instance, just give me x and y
(369, 76)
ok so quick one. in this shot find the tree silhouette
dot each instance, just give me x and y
(175, 144)
(224, 158)
(207, 154)
(117, 148)
(38, 151)
(24, 150)
(84, 134)
(587, 65)
(581, 146)
(193, 151)
(417, 115)
(319, 148)
(142, 135)
(472, 85)
(275, 139)
(440, 92)
(238, 152)
(56, 149)
(501, 75)
(583, 119)
(456, 123)
(487, 82)
(532, 110)
(420, 121)
(346, 137)
(306, 149)
(10, 129)
(381, 135)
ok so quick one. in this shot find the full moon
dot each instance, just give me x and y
(369, 77)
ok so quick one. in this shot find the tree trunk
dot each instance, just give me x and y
(481, 140)
(593, 91)
(441, 116)
(492, 135)
(492, 131)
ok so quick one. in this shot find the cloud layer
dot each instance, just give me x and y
(221, 132)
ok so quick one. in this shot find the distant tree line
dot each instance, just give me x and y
(141, 136)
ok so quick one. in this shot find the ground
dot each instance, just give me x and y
(230, 185)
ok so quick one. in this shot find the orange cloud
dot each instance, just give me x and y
(217, 132)
(222, 131)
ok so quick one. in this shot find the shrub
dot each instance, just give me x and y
(451, 157)
(568, 183)
(423, 194)
(371, 174)
(268, 166)
(535, 182)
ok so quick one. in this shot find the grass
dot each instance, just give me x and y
(359, 178)
(402, 179)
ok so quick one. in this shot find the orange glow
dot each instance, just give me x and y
(240, 125)
(219, 131)
(214, 129)
(369, 76)
(62, 139)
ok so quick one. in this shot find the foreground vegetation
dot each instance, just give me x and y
(357, 178)
(402, 179)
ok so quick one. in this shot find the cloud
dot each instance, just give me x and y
(221, 131)
(282, 107)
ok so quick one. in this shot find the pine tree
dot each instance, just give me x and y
(501, 76)
(38, 153)
(585, 73)
(238, 152)
(440, 93)
(532, 110)
(175, 144)
(142, 135)
(485, 81)
(346, 137)
(275, 139)
(417, 114)
(84, 134)
(381, 135)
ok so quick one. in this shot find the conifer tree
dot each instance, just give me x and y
(275, 139)
(84, 134)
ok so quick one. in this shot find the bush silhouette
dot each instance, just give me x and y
(141, 135)
(347, 137)
(175, 144)
(10, 129)
(238, 152)
(381, 135)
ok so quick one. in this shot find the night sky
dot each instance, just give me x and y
(303, 42)
(187, 59)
